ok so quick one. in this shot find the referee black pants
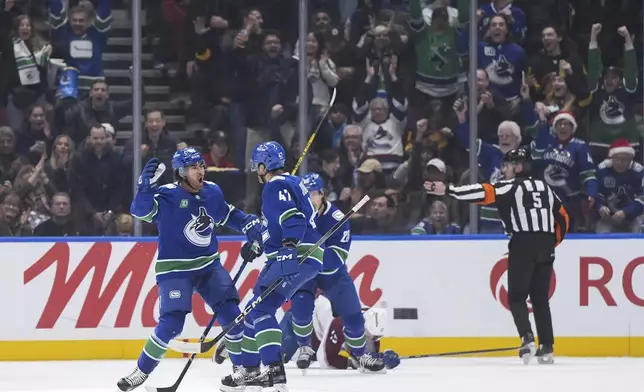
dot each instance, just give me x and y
(530, 263)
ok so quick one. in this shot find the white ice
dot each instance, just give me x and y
(431, 375)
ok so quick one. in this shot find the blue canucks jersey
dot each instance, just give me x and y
(620, 191)
(186, 223)
(504, 64)
(337, 246)
(287, 212)
(567, 168)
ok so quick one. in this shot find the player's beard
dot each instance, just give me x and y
(194, 184)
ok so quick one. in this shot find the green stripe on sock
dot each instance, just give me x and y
(153, 350)
(303, 331)
(268, 337)
(233, 346)
(356, 342)
(249, 345)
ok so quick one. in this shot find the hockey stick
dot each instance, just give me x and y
(202, 347)
(174, 386)
(456, 353)
(346, 354)
(312, 137)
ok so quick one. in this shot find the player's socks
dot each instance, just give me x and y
(304, 357)
(268, 337)
(302, 331)
(545, 354)
(131, 381)
(250, 353)
(356, 340)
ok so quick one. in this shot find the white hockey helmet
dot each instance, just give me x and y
(375, 321)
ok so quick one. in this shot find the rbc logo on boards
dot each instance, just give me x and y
(498, 282)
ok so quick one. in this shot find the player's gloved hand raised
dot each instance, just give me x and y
(147, 182)
(391, 358)
(252, 228)
(250, 251)
(287, 257)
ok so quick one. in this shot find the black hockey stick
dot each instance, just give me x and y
(174, 386)
(315, 132)
(346, 354)
(202, 347)
(456, 353)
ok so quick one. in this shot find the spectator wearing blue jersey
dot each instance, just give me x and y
(503, 60)
(620, 200)
(81, 41)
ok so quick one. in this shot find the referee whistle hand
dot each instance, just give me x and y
(434, 187)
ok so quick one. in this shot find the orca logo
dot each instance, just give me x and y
(199, 229)
(498, 282)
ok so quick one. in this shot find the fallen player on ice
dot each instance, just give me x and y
(328, 340)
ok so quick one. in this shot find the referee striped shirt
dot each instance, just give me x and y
(526, 205)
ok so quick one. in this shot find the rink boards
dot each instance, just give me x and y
(96, 299)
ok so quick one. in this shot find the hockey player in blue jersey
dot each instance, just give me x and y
(288, 219)
(335, 283)
(186, 214)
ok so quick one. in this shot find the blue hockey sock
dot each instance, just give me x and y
(268, 336)
(226, 314)
(354, 334)
(302, 314)
(170, 325)
(250, 354)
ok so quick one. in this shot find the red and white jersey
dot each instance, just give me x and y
(328, 336)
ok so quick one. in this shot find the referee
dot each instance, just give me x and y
(536, 222)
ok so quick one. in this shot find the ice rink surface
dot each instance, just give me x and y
(444, 375)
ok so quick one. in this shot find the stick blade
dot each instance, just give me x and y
(185, 347)
(172, 388)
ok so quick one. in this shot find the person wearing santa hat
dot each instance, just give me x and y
(563, 162)
(620, 200)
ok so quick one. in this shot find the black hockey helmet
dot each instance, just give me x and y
(519, 155)
(516, 155)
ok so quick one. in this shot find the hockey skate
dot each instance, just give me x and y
(528, 348)
(273, 378)
(241, 379)
(133, 380)
(305, 357)
(544, 355)
(221, 354)
(366, 363)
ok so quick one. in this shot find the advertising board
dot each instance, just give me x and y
(96, 299)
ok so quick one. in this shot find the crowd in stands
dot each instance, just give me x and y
(562, 78)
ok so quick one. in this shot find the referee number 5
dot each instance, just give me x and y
(536, 200)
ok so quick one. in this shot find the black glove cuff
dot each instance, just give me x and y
(290, 242)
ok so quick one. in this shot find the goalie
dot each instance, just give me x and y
(328, 338)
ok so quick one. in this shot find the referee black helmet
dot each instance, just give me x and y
(518, 156)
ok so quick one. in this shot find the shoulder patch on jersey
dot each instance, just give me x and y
(338, 215)
(637, 167)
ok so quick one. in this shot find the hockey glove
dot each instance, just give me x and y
(287, 257)
(146, 183)
(250, 251)
(252, 228)
(391, 358)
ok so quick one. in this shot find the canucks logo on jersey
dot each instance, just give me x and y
(611, 111)
(199, 229)
(500, 71)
